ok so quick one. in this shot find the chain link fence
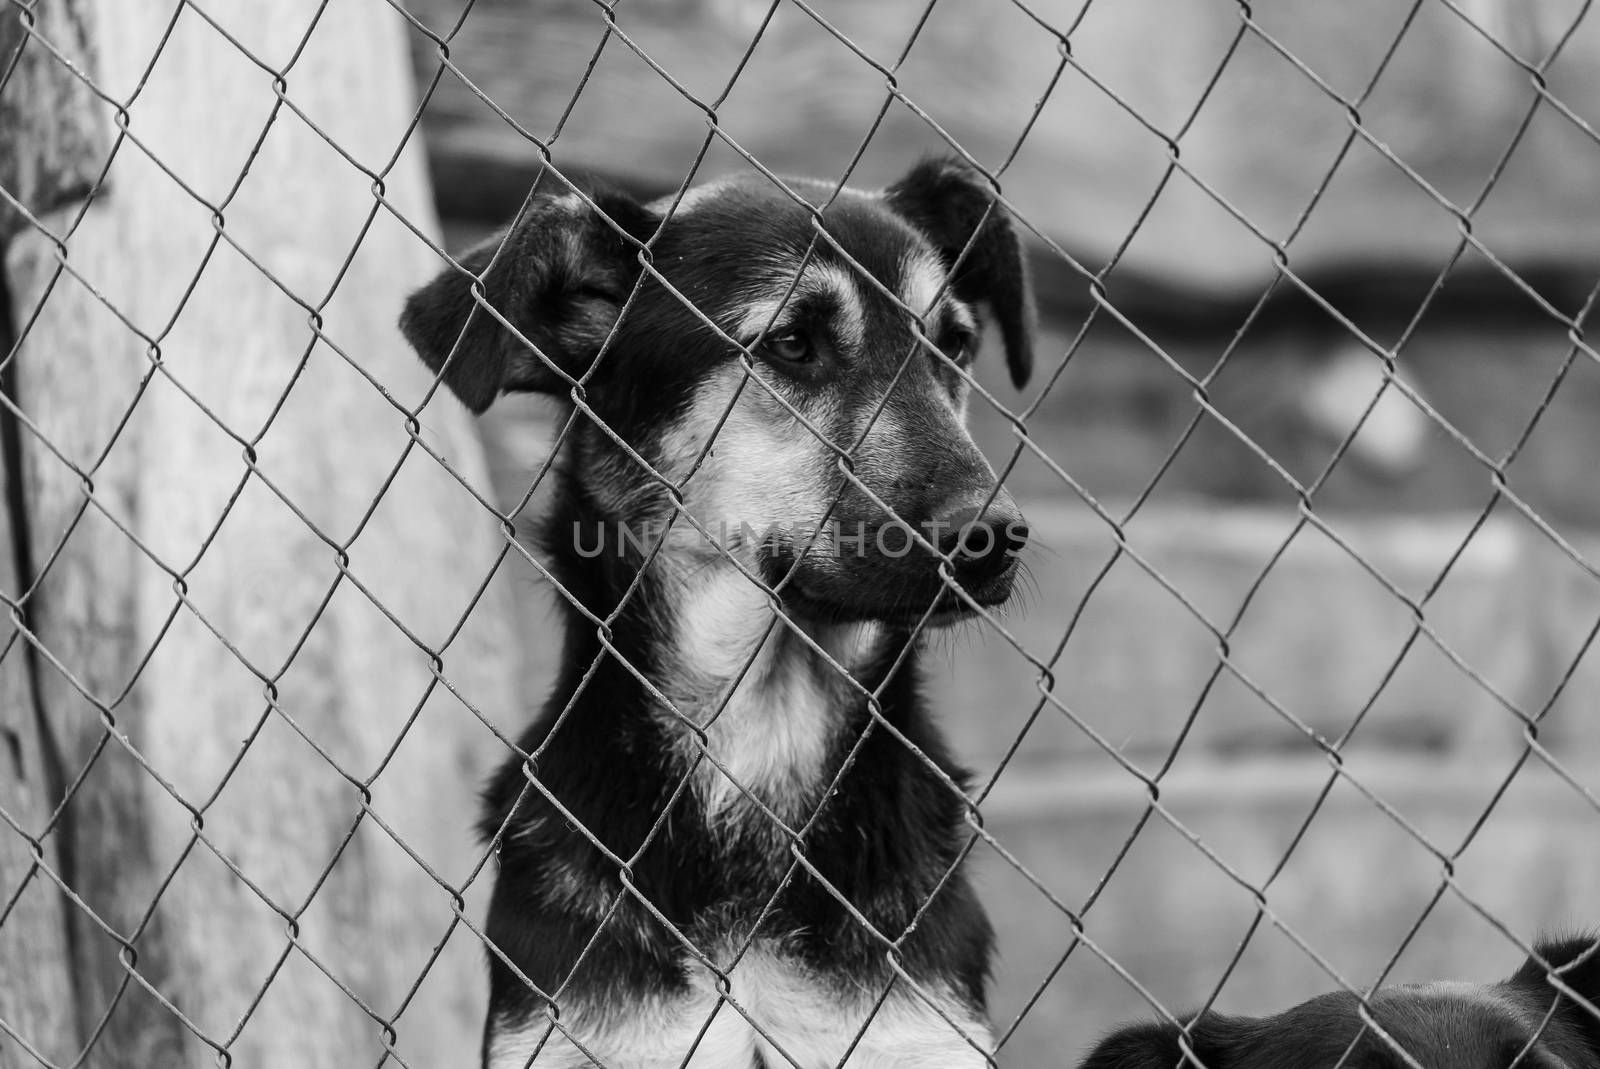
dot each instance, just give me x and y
(269, 620)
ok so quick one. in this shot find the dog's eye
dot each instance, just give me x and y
(792, 346)
(959, 347)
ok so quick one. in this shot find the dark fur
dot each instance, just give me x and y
(1482, 1026)
(892, 831)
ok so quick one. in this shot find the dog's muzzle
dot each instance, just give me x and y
(983, 545)
(941, 569)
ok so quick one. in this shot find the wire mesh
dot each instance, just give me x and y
(1146, 790)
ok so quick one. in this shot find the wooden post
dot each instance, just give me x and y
(48, 148)
(247, 565)
(37, 1001)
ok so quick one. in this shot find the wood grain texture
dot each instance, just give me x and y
(52, 142)
(48, 153)
(36, 992)
(217, 606)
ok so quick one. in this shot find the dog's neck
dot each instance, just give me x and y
(754, 698)
(770, 693)
(604, 776)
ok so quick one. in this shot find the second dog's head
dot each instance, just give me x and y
(776, 369)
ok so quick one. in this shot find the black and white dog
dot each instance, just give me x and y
(715, 850)
(1525, 1021)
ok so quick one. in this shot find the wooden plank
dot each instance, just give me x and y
(51, 141)
(50, 147)
(83, 611)
(37, 1000)
(246, 713)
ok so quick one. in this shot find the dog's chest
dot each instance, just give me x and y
(770, 703)
(768, 1007)
(768, 743)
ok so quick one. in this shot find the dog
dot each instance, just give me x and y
(1527, 1020)
(733, 838)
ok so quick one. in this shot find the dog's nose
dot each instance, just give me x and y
(982, 543)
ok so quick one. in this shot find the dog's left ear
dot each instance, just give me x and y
(950, 201)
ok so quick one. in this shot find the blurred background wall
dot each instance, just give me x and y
(1224, 589)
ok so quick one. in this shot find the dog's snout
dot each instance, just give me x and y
(982, 543)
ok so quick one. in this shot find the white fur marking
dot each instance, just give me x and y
(961, 312)
(771, 731)
(818, 279)
(759, 315)
(765, 472)
(764, 467)
(922, 281)
(812, 1024)
(841, 284)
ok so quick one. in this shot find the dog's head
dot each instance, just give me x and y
(1525, 1021)
(859, 323)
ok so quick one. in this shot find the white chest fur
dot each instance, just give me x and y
(769, 702)
(773, 1008)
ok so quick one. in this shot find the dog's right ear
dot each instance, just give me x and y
(1155, 1045)
(559, 276)
(1577, 962)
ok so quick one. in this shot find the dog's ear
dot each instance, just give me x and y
(1154, 1045)
(559, 276)
(950, 201)
(1577, 962)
